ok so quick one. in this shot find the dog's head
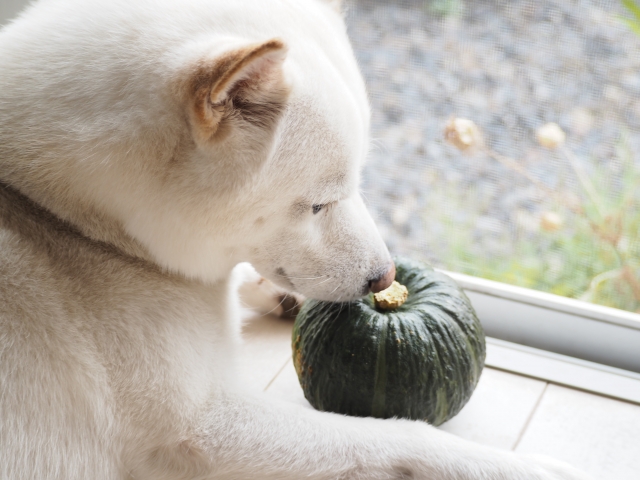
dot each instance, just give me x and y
(229, 148)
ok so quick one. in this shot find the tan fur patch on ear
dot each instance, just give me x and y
(241, 63)
(248, 81)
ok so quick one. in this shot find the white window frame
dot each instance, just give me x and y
(558, 339)
(557, 324)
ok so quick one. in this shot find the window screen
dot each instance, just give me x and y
(565, 219)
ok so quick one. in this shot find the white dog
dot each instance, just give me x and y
(146, 148)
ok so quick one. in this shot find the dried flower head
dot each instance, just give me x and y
(551, 221)
(462, 133)
(550, 135)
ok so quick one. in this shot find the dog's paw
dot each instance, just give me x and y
(262, 297)
(289, 305)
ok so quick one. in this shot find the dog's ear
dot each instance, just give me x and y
(245, 84)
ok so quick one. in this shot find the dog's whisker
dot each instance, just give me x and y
(378, 143)
(327, 277)
(303, 278)
(323, 281)
(274, 308)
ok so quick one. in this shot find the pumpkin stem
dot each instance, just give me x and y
(391, 298)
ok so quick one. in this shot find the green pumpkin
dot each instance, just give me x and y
(420, 361)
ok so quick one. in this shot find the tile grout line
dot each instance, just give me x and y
(595, 392)
(530, 417)
(284, 365)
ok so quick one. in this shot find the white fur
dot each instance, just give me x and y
(122, 217)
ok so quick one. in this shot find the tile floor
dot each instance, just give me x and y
(597, 434)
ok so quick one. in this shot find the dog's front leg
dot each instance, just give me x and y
(259, 438)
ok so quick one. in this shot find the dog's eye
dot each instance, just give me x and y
(317, 207)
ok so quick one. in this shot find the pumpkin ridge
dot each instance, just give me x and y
(380, 377)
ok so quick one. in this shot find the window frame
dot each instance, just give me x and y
(565, 326)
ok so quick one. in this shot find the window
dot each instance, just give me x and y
(564, 220)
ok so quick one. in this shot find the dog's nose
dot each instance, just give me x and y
(384, 281)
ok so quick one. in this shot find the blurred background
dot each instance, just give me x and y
(9, 9)
(565, 219)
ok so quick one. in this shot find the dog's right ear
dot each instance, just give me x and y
(244, 84)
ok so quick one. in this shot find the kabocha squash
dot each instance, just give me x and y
(421, 360)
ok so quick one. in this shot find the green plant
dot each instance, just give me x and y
(634, 9)
(445, 8)
(589, 249)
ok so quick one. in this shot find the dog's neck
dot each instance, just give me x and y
(94, 227)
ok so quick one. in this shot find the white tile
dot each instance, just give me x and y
(596, 434)
(265, 349)
(498, 409)
(563, 370)
(286, 386)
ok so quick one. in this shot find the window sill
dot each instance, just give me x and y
(564, 326)
(563, 370)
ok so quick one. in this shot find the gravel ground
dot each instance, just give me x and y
(510, 67)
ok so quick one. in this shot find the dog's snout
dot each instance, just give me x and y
(383, 281)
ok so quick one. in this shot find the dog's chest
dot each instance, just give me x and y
(174, 344)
